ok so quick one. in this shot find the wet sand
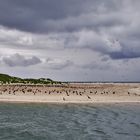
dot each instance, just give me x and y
(72, 93)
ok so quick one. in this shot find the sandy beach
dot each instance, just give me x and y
(72, 93)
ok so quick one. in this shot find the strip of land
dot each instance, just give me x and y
(71, 93)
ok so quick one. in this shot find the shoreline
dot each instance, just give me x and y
(61, 103)
(58, 100)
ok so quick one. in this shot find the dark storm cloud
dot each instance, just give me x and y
(20, 60)
(52, 15)
(30, 15)
(124, 55)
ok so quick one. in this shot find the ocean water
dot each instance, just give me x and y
(69, 122)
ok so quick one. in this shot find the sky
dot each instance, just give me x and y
(71, 40)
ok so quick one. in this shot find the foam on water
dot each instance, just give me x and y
(69, 122)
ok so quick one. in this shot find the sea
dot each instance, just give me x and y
(69, 121)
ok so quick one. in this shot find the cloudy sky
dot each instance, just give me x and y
(71, 40)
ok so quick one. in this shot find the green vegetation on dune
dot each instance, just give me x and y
(6, 79)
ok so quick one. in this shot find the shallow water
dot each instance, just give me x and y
(69, 122)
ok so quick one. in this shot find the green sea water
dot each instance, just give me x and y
(69, 122)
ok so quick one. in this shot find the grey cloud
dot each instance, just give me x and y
(105, 44)
(24, 40)
(20, 60)
(128, 50)
(92, 20)
(31, 15)
(45, 15)
(124, 55)
(58, 64)
(94, 25)
(97, 66)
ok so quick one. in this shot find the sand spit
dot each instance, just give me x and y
(72, 93)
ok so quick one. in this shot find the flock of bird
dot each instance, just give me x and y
(35, 90)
